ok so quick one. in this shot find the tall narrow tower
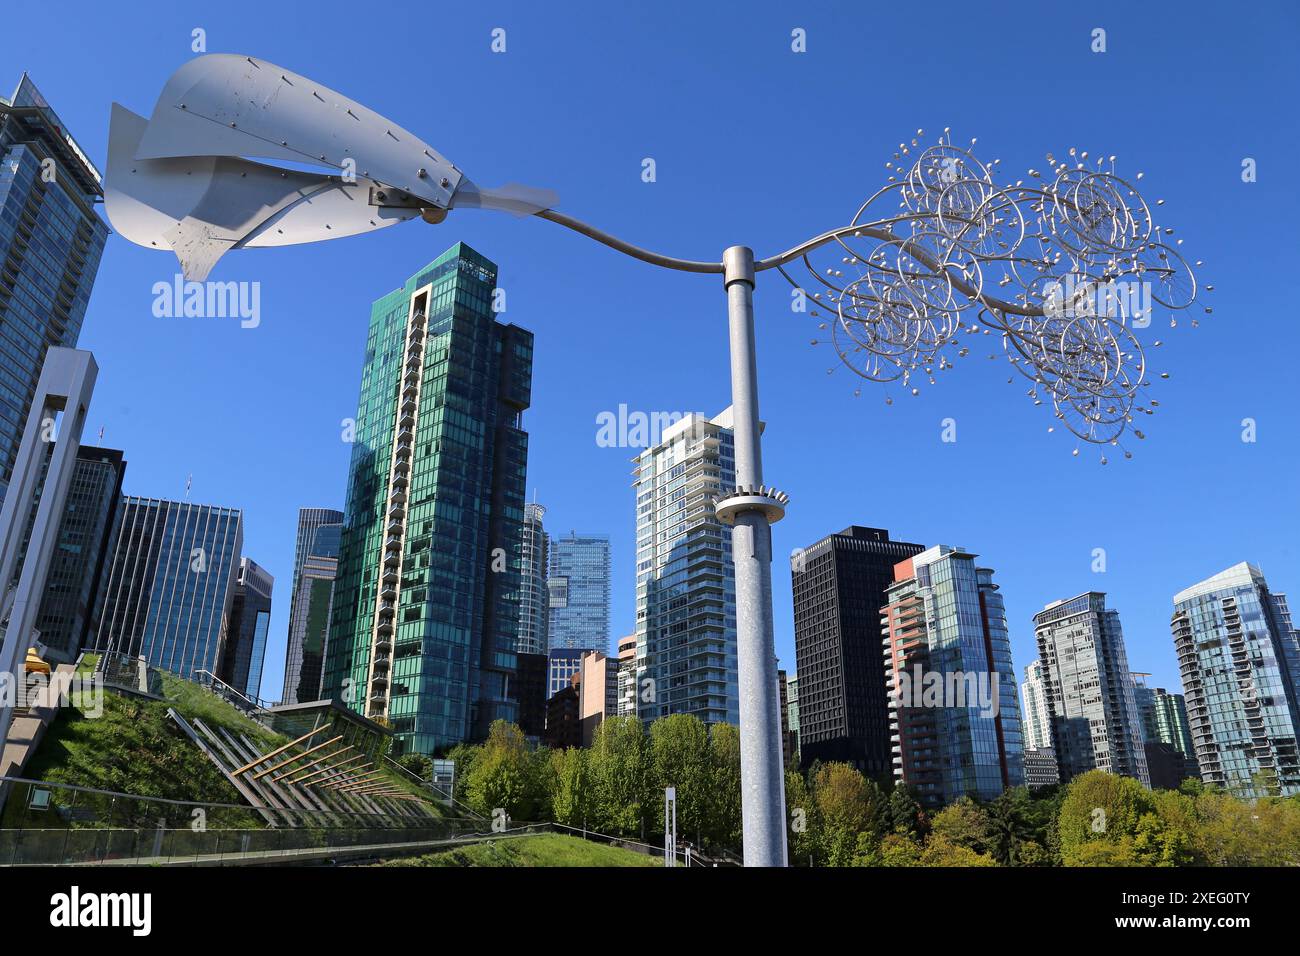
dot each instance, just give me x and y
(1237, 653)
(1095, 721)
(686, 580)
(426, 605)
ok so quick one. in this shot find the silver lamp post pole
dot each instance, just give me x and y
(750, 510)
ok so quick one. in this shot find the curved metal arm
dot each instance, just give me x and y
(636, 252)
(776, 261)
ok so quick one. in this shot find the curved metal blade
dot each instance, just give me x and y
(224, 104)
(202, 206)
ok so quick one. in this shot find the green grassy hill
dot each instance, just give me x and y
(133, 747)
(546, 850)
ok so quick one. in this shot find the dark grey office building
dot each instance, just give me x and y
(51, 240)
(304, 661)
(244, 649)
(839, 590)
(67, 608)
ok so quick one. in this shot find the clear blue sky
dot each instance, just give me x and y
(753, 144)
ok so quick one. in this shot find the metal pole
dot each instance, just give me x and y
(751, 509)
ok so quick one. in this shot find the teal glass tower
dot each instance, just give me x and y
(51, 240)
(426, 604)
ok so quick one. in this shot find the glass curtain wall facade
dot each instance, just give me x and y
(309, 521)
(1037, 715)
(1237, 655)
(170, 582)
(51, 241)
(426, 606)
(685, 579)
(945, 625)
(839, 586)
(66, 616)
(577, 581)
(304, 662)
(250, 619)
(534, 609)
(1095, 722)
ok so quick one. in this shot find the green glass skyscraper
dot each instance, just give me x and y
(426, 605)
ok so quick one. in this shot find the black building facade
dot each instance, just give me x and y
(839, 588)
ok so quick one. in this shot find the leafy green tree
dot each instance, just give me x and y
(724, 817)
(620, 766)
(961, 824)
(940, 850)
(504, 776)
(904, 813)
(572, 794)
(1101, 807)
(463, 756)
(898, 849)
(680, 756)
(417, 764)
(1015, 818)
(848, 804)
(803, 825)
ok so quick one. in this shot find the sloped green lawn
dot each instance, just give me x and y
(546, 850)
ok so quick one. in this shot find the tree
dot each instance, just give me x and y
(463, 757)
(1101, 807)
(803, 824)
(940, 850)
(724, 817)
(1015, 818)
(961, 824)
(848, 804)
(898, 849)
(619, 762)
(417, 764)
(679, 749)
(504, 776)
(571, 787)
(904, 813)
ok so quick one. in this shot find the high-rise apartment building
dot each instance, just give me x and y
(1237, 653)
(1095, 724)
(534, 608)
(839, 587)
(309, 621)
(1166, 737)
(577, 581)
(169, 583)
(685, 579)
(244, 651)
(1037, 716)
(1163, 715)
(66, 617)
(426, 606)
(954, 717)
(51, 240)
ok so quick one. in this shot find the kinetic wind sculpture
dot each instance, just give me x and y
(1057, 267)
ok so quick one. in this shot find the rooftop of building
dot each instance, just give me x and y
(1240, 575)
(30, 107)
